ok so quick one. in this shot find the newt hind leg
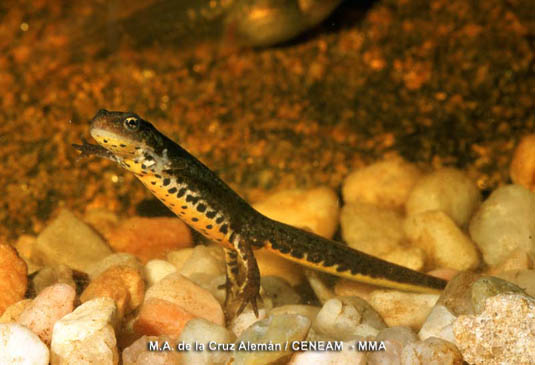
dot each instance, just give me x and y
(243, 279)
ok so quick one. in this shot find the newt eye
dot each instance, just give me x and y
(131, 123)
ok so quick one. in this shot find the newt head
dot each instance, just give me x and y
(125, 134)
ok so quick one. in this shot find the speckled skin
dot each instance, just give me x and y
(207, 204)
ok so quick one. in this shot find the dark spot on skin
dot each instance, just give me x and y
(232, 237)
(172, 190)
(158, 176)
(194, 219)
(192, 199)
(152, 170)
(234, 270)
(223, 229)
(127, 165)
(166, 195)
(341, 268)
(148, 158)
(211, 214)
(184, 207)
(284, 249)
(122, 145)
(163, 199)
(114, 145)
(181, 192)
(153, 182)
(182, 213)
(313, 257)
(201, 208)
(219, 220)
(137, 148)
(166, 181)
(209, 226)
(143, 166)
(297, 254)
(328, 261)
(171, 204)
(105, 140)
(218, 239)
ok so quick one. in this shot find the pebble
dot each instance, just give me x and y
(102, 220)
(524, 279)
(20, 346)
(439, 323)
(448, 190)
(430, 352)
(276, 329)
(50, 275)
(201, 331)
(444, 243)
(115, 259)
(398, 334)
(486, 287)
(279, 290)
(505, 223)
(69, 241)
(347, 319)
(270, 264)
(457, 296)
(139, 354)
(155, 270)
(179, 257)
(518, 260)
(309, 311)
(502, 334)
(371, 229)
(316, 210)
(150, 238)
(522, 170)
(245, 319)
(123, 284)
(161, 317)
(25, 247)
(12, 313)
(401, 308)
(173, 301)
(208, 260)
(13, 280)
(86, 336)
(46, 309)
(347, 356)
(391, 355)
(385, 183)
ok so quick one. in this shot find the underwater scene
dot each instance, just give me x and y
(267, 182)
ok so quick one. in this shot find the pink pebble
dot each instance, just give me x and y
(49, 306)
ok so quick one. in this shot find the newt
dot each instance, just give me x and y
(203, 201)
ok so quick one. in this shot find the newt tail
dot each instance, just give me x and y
(202, 200)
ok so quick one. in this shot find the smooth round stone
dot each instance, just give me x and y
(115, 259)
(276, 329)
(50, 275)
(13, 312)
(305, 310)
(86, 336)
(150, 238)
(102, 220)
(448, 190)
(457, 296)
(208, 260)
(156, 270)
(280, 292)
(316, 210)
(431, 351)
(501, 334)
(488, 286)
(69, 241)
(347, 356)
(139, 354)
(522, 170)
(245, 319)
(504, 223)
(517, 261)
(177, 289)
(13, 279)
(385, 183)
(390, 356)
(159, 317)
(201, 331)
(401, 308)
(439, 323)
(47, 308)
(347, 318)
(20, 346)
(399, 334)
(179, 257)
(444, 243)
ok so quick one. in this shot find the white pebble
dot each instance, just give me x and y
(431, 351)
(86, 336)
(439, 323)
(20, 346)
(505, 223)
(448, 190)
(156, 270)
